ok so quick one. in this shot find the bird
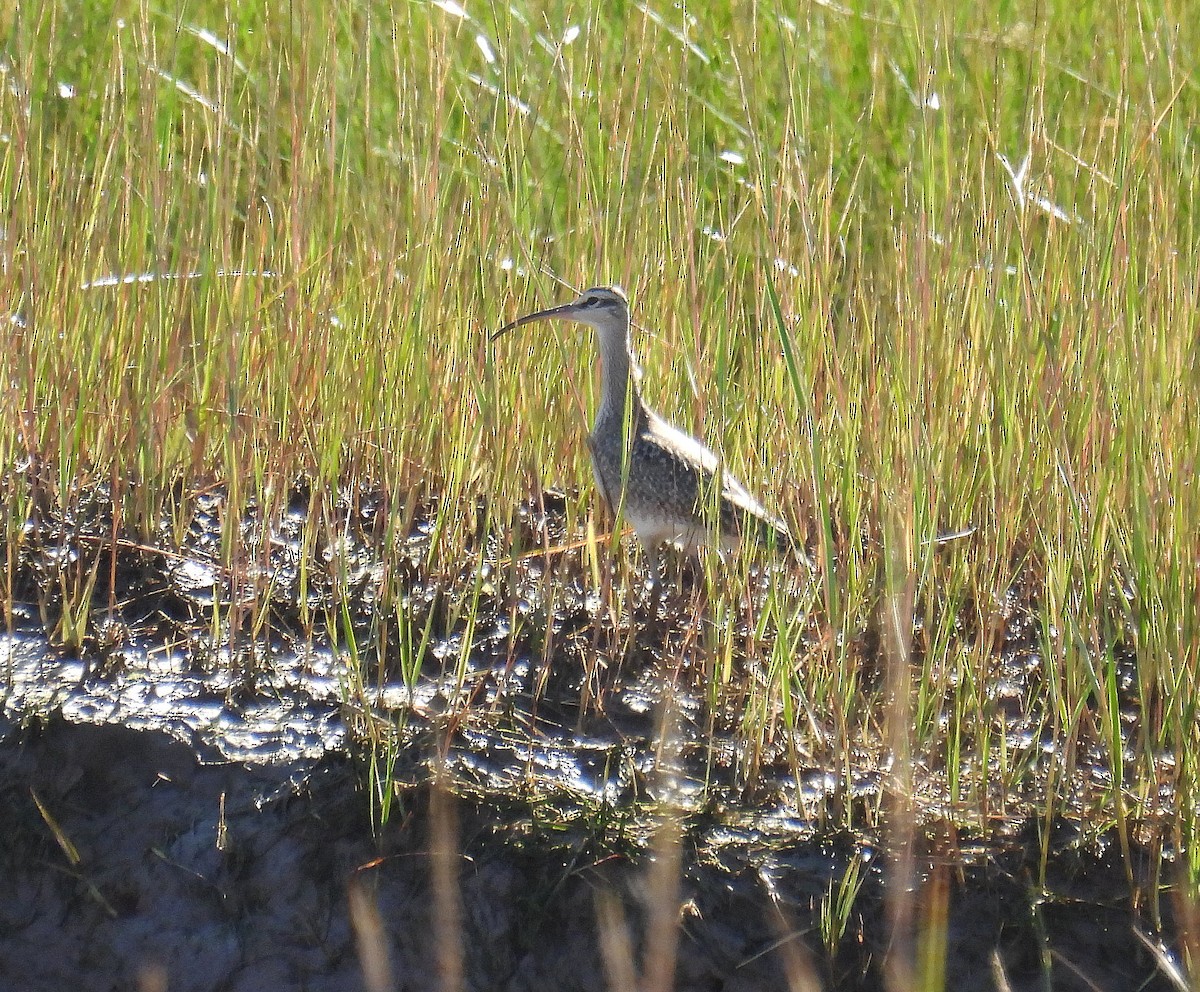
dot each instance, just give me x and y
(669, 486)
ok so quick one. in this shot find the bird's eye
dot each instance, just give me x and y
(591, 301)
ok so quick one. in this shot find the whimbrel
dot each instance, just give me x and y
(669, 486)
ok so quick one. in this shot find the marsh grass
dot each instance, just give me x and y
(911, 269)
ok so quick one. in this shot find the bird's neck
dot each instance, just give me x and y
(620, 398)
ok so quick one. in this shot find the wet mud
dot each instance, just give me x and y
(228, 875)
(192, 760)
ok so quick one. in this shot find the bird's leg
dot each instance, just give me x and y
(653, 555)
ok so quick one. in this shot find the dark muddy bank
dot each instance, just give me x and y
(231, 876)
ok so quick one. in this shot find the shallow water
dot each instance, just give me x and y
(516, 677)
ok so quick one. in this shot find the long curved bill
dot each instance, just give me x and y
(560, 311)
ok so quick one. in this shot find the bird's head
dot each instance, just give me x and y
(603, 307)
